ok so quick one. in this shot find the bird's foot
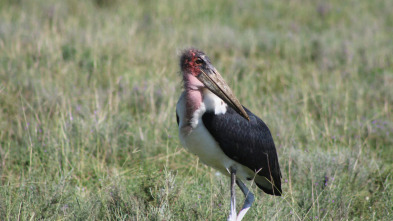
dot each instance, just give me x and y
(232, 217)
(241, 214)
(238, 217)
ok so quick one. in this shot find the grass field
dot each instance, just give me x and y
(87, 107)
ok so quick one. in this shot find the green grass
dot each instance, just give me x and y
(87, 106)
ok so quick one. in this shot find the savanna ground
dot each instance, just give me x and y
(87, 107)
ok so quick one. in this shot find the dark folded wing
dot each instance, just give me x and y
(249, 143)
(177, 118)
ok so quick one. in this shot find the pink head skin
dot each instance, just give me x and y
(190, 65)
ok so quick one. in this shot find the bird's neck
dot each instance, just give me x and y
(194, 100)
(194, 97)
(200, 100)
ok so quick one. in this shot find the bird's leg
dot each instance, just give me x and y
(233, 213)
(247, 202)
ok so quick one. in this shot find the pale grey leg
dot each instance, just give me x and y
(247, 202)
(233, 213)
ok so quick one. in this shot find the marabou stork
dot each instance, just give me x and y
(224, 135)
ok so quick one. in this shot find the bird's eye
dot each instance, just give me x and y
(199, 61)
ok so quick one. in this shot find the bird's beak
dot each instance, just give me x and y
(216, 84)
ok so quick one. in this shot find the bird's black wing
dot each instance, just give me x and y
(177, 119)
(249, 143)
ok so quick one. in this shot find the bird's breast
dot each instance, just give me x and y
(199, 142)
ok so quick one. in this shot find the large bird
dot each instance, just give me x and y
(224, 135)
